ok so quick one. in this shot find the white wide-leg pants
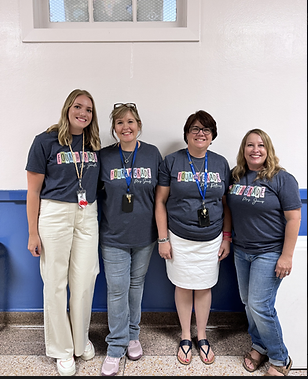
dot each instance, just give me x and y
(69, 258)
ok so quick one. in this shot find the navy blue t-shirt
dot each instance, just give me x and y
(257, 208)
(136, 228)
(185, 199)
(46, 156)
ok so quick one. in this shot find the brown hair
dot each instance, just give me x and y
(205, 119)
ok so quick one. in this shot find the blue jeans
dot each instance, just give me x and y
(258, 286)
(125, 271)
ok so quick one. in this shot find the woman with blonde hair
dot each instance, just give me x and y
(128, 233)
(62, 174)
(266, 212)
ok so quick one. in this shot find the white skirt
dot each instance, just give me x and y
(194, 265)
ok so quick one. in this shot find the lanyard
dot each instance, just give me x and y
(79, 176)
(202, 193)
(128, 178)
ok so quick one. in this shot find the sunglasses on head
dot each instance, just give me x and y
(127, 105)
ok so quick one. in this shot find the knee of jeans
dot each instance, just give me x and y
(117, 285)
(256, 307)
(137, 281)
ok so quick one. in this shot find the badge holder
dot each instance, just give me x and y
(203, 217)
(82, 200)
(128, 202)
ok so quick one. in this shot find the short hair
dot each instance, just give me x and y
(205, 119)
(120, 112)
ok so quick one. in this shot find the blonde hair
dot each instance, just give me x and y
(120, 112)
(91, 132)
(271, 164)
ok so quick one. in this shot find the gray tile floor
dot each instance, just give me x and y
(22, 351)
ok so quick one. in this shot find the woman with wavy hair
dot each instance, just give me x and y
(62, 174)
(266, 212)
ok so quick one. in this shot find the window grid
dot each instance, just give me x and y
(112, 10)
(36, 26)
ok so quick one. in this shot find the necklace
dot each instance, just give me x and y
(126, 159)
(201, 176)
(197, 167)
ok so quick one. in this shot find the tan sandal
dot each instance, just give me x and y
(283, 370)
(256, 363)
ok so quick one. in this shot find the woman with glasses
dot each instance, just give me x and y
(194, 227)
(266, 213)
(128, 233)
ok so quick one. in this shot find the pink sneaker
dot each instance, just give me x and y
(134, 350)
(110, 366)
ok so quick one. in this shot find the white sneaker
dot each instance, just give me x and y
(66, 367)
(134, 350)
(110, 366)
(89, 352)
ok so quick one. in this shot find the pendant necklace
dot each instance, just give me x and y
(128, 197)
(126, 159)
(200, 172)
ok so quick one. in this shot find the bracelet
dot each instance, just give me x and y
(227, 239)
(163, 240)
(226, 234)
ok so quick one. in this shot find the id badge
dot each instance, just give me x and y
(203, 217)
(128, 202)
(82, 201)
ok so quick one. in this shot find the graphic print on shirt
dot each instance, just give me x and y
(213, 178)
(140, 175)
(66, 157)
(250, 194)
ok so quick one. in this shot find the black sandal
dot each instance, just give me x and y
(185, 343)
(202, 343)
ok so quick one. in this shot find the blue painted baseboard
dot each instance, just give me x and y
(21, 288)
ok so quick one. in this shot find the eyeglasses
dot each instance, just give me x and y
(196, 130)
(127, 105)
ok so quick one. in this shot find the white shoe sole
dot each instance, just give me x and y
(66, 372)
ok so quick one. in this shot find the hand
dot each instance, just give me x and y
(164, 250)
(283, 267)
(224, 250)
(34, 245)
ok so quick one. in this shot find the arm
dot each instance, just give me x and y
(284, 263)
(35, 182)
(224, 249)
(161, 197)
